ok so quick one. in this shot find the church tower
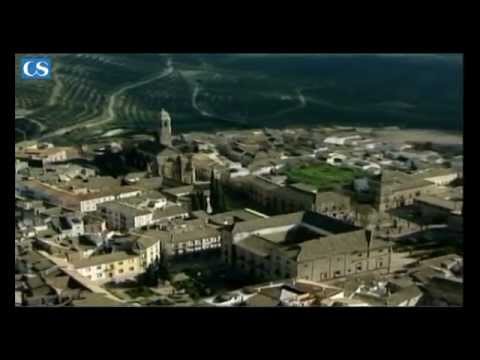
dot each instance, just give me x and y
(165, 132)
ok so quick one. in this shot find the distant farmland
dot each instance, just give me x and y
(234, 91)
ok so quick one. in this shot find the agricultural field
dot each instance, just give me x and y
(226, 91)
(323, 176)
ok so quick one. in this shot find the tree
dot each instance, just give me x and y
(178, 169)
(217, 194)
(213, 192)
(220, 197)
(150, 276)
(196, 205)
(203, 200)
(412, 166)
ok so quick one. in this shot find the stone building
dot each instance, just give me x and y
(304, 245)
(436, 209)
(188, 238)
(395, 189)
(294, 197)
(141, 252)
(165, 131)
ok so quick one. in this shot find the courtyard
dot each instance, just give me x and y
(323, 176)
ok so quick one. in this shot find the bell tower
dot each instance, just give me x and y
(165, 132)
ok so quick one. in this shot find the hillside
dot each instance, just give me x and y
(93, 94)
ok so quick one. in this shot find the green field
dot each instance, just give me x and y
(324, 176)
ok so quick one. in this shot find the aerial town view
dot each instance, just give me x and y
(238, 180)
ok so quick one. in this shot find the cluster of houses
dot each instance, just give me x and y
(433, 282)
(99, 229)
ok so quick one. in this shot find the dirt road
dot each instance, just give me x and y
(109, 113)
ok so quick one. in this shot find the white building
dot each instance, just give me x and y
(148, 246)
(122, 216)
(83, 198)
(164, 216)
(373, 146)
(75, 227)
(91, 204)
(110, 267)
(365, 166)
(46, 155)
(320, 150)
(188, 238)
(439, 177)
(336, 159)
(337, 140)
(144, 251)
(239, 172)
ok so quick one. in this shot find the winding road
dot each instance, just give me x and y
(22, 132)
(38, 123)
(302, 103)
(57, 89)
(195, 92)
(109, 113)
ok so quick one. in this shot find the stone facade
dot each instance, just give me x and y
(324, 255)
(165, 132)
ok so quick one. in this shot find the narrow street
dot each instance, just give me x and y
(70, 271)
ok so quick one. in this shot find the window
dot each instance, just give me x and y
(110, 275)
(338, 273)
(99, 267)
(120, 271)
(132, 268)
(359, 267)
(380, 264)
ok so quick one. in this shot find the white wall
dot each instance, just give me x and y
(142, 220)
(243, 235)
(91, 204)
(442, 180)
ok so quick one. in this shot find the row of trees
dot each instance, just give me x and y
(217, 195)
(155, 271)
(199, 201)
